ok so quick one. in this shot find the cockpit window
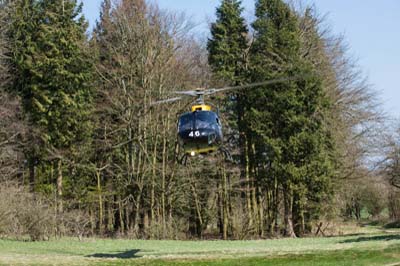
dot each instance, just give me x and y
(205, 119)
(205, 116)
(186, 122)
(198, 120)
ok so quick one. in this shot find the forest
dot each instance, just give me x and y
(84, 152)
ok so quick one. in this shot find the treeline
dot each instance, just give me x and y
(78, 129)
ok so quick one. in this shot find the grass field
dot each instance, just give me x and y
(377, 247)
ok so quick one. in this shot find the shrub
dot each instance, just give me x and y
(24, 214)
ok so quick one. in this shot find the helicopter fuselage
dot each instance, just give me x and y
(199, 132)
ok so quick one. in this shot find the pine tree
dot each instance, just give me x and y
(5, 8)
(227, 50)
(54, 73)
(228, 43)
(292, 133)
(22, 34)
(272, 55)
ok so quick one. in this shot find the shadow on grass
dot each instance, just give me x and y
(130, 254)
(372, 223)
(372, 238)
(347, 235)
(392, 225)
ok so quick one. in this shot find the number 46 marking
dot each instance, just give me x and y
(194, 133)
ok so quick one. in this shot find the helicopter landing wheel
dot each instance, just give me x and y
(226, 154)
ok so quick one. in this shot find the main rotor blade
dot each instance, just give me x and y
(166, 101)
(249, 86)
(188, 93)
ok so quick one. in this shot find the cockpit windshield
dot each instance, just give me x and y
(186, 122)
(205, 119)
(198, 120)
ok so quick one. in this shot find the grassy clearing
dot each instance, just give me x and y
(381, 248)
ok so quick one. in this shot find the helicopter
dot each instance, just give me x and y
(199, 131)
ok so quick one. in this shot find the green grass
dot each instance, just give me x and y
(381, 248)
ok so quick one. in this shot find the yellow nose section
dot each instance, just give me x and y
(193, 152)
(201, 107)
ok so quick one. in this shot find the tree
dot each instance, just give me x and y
(12, 127)
(391, 172)
(227, 56)
(291, 137)
(4, 44)
(53, 79)
(354, 121)
(273, 53)
(391, 164)
(142, 54)
(228, 43)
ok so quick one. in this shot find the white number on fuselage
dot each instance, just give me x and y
(194, 133)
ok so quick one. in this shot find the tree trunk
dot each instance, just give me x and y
(100, 202)
(298, 215)
(254, 191)
(121, 216)
(32, 174)
(220, 211)
(276, 199)
(110, 215)
(153, 219)
(247, 182)
(225, 204)
(92, 220)
(288, 205)
(60, 207)
(199, 220)
(261, 212)
(118, 215)
(163, 175)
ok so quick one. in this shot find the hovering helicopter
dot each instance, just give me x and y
(200, 129)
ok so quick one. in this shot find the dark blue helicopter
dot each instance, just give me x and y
(200, 130)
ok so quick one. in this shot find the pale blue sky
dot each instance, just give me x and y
(371, 29)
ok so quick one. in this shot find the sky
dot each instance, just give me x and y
(371, 28)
